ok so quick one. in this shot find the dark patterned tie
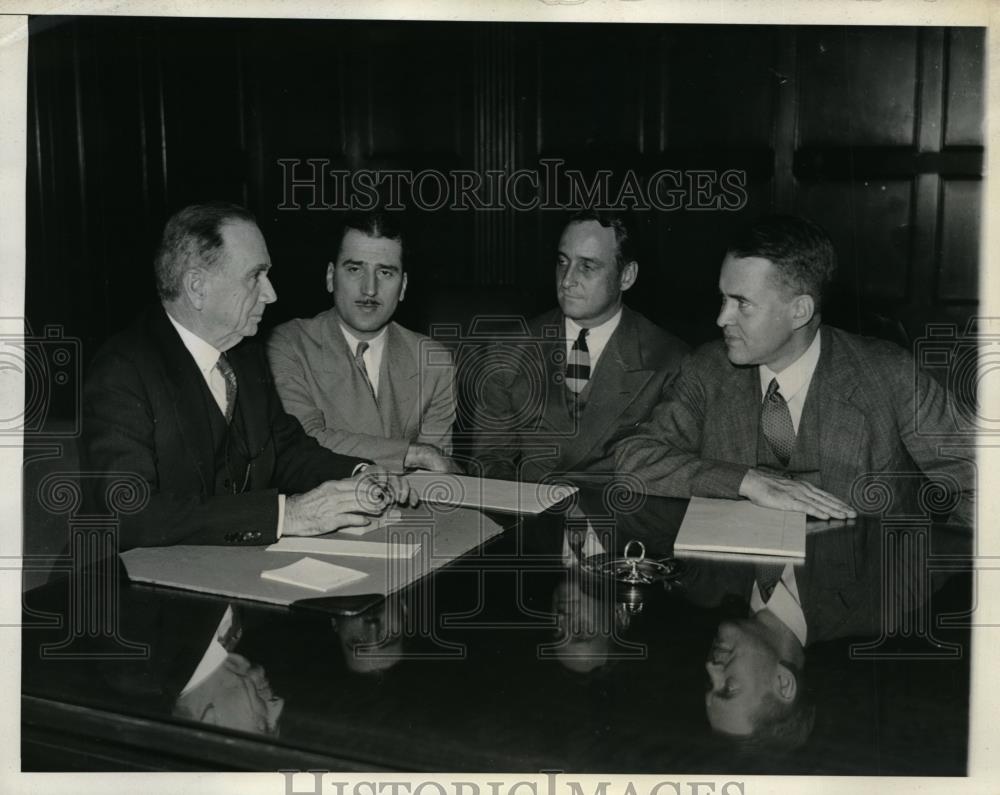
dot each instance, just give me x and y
(578, 364)
(226, 369)
(359, 360)
(776, 423)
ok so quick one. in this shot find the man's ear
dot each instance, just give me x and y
(786, 684)
(628, 275)
(330, 268)
(193, 284)
(803, 309)
(402, 290)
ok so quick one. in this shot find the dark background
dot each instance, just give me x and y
(876, 133)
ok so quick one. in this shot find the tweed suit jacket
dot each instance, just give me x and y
(146, 415)
(867, 413)
(317, 380)
(524, 430)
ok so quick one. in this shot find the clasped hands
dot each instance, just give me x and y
(353, 502)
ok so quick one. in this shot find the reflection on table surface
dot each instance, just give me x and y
(524, 656)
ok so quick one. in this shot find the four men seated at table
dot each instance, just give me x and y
(785, 411)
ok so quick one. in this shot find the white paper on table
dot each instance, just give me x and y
(316, 575)
(386, 550)
(711, 525)
(506, 496)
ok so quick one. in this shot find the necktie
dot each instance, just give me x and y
(768, 575)
(776, 423)
(578, 364)
(359, 360)
(226, 369)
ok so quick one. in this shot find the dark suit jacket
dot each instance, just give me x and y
(145, 417)
(866, 412)
(524, 430)
(314, 372)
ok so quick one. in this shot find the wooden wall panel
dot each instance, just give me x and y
(857, 86)
(966, 87)
(869, 223)
(958, 265)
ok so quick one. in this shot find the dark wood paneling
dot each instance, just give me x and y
(958, 265)
(857, 86)
(966, 85)
(719, 87)
(591, 89)
(869, 222)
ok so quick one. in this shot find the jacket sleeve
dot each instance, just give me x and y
(496, 444)
(664, 453)
(438, 414)
(121, 474)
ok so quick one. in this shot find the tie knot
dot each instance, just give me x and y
(581, 339)
(360, 351)
(772, 388)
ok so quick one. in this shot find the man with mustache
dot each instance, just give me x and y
(589, 373)
(181, 403)
(786, 411)
(360, 383)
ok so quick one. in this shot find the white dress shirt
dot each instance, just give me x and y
(794, 380)
(206, 356)
(597, 337)
(784, 603)
(214, 655)
(372, 356)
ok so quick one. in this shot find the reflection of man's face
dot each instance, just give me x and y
(237, 288)
(742, 668)
(367, 282)
(584, 627)
(373, 640)
(756, 314)
(236, 695)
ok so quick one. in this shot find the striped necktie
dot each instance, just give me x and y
(776, 423)
(578, 364)
(229, 375)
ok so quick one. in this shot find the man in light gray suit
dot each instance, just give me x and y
(358, 382)
(790, 413)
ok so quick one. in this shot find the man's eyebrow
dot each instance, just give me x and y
(737, 296)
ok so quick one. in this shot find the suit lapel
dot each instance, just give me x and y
(398, 374)
(552, 336)
(736, 428)
(354, 402)
(842, 425)
(185, 381)
(619, 377)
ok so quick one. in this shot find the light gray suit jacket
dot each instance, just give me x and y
(320, 384)
(867, 411)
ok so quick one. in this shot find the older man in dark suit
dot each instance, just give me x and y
(176, 404)
(790, 413)
(586, 373)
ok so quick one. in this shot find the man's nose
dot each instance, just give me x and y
(568, 277)
(268, 294)
(725, 317)
(715, 674)
(369, 285)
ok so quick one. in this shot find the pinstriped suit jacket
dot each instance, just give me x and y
(866, 413)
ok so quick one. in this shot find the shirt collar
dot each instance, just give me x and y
(598, 335)
(375, 344)
(205, 354)
(797, 375)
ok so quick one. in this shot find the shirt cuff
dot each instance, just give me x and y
(358, 469)
(281, 514)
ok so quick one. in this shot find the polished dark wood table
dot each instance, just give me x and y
(517, 658)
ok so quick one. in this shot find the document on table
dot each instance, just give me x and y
(506, 496)
(316, 575)
(740, 526)
(331, 545)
